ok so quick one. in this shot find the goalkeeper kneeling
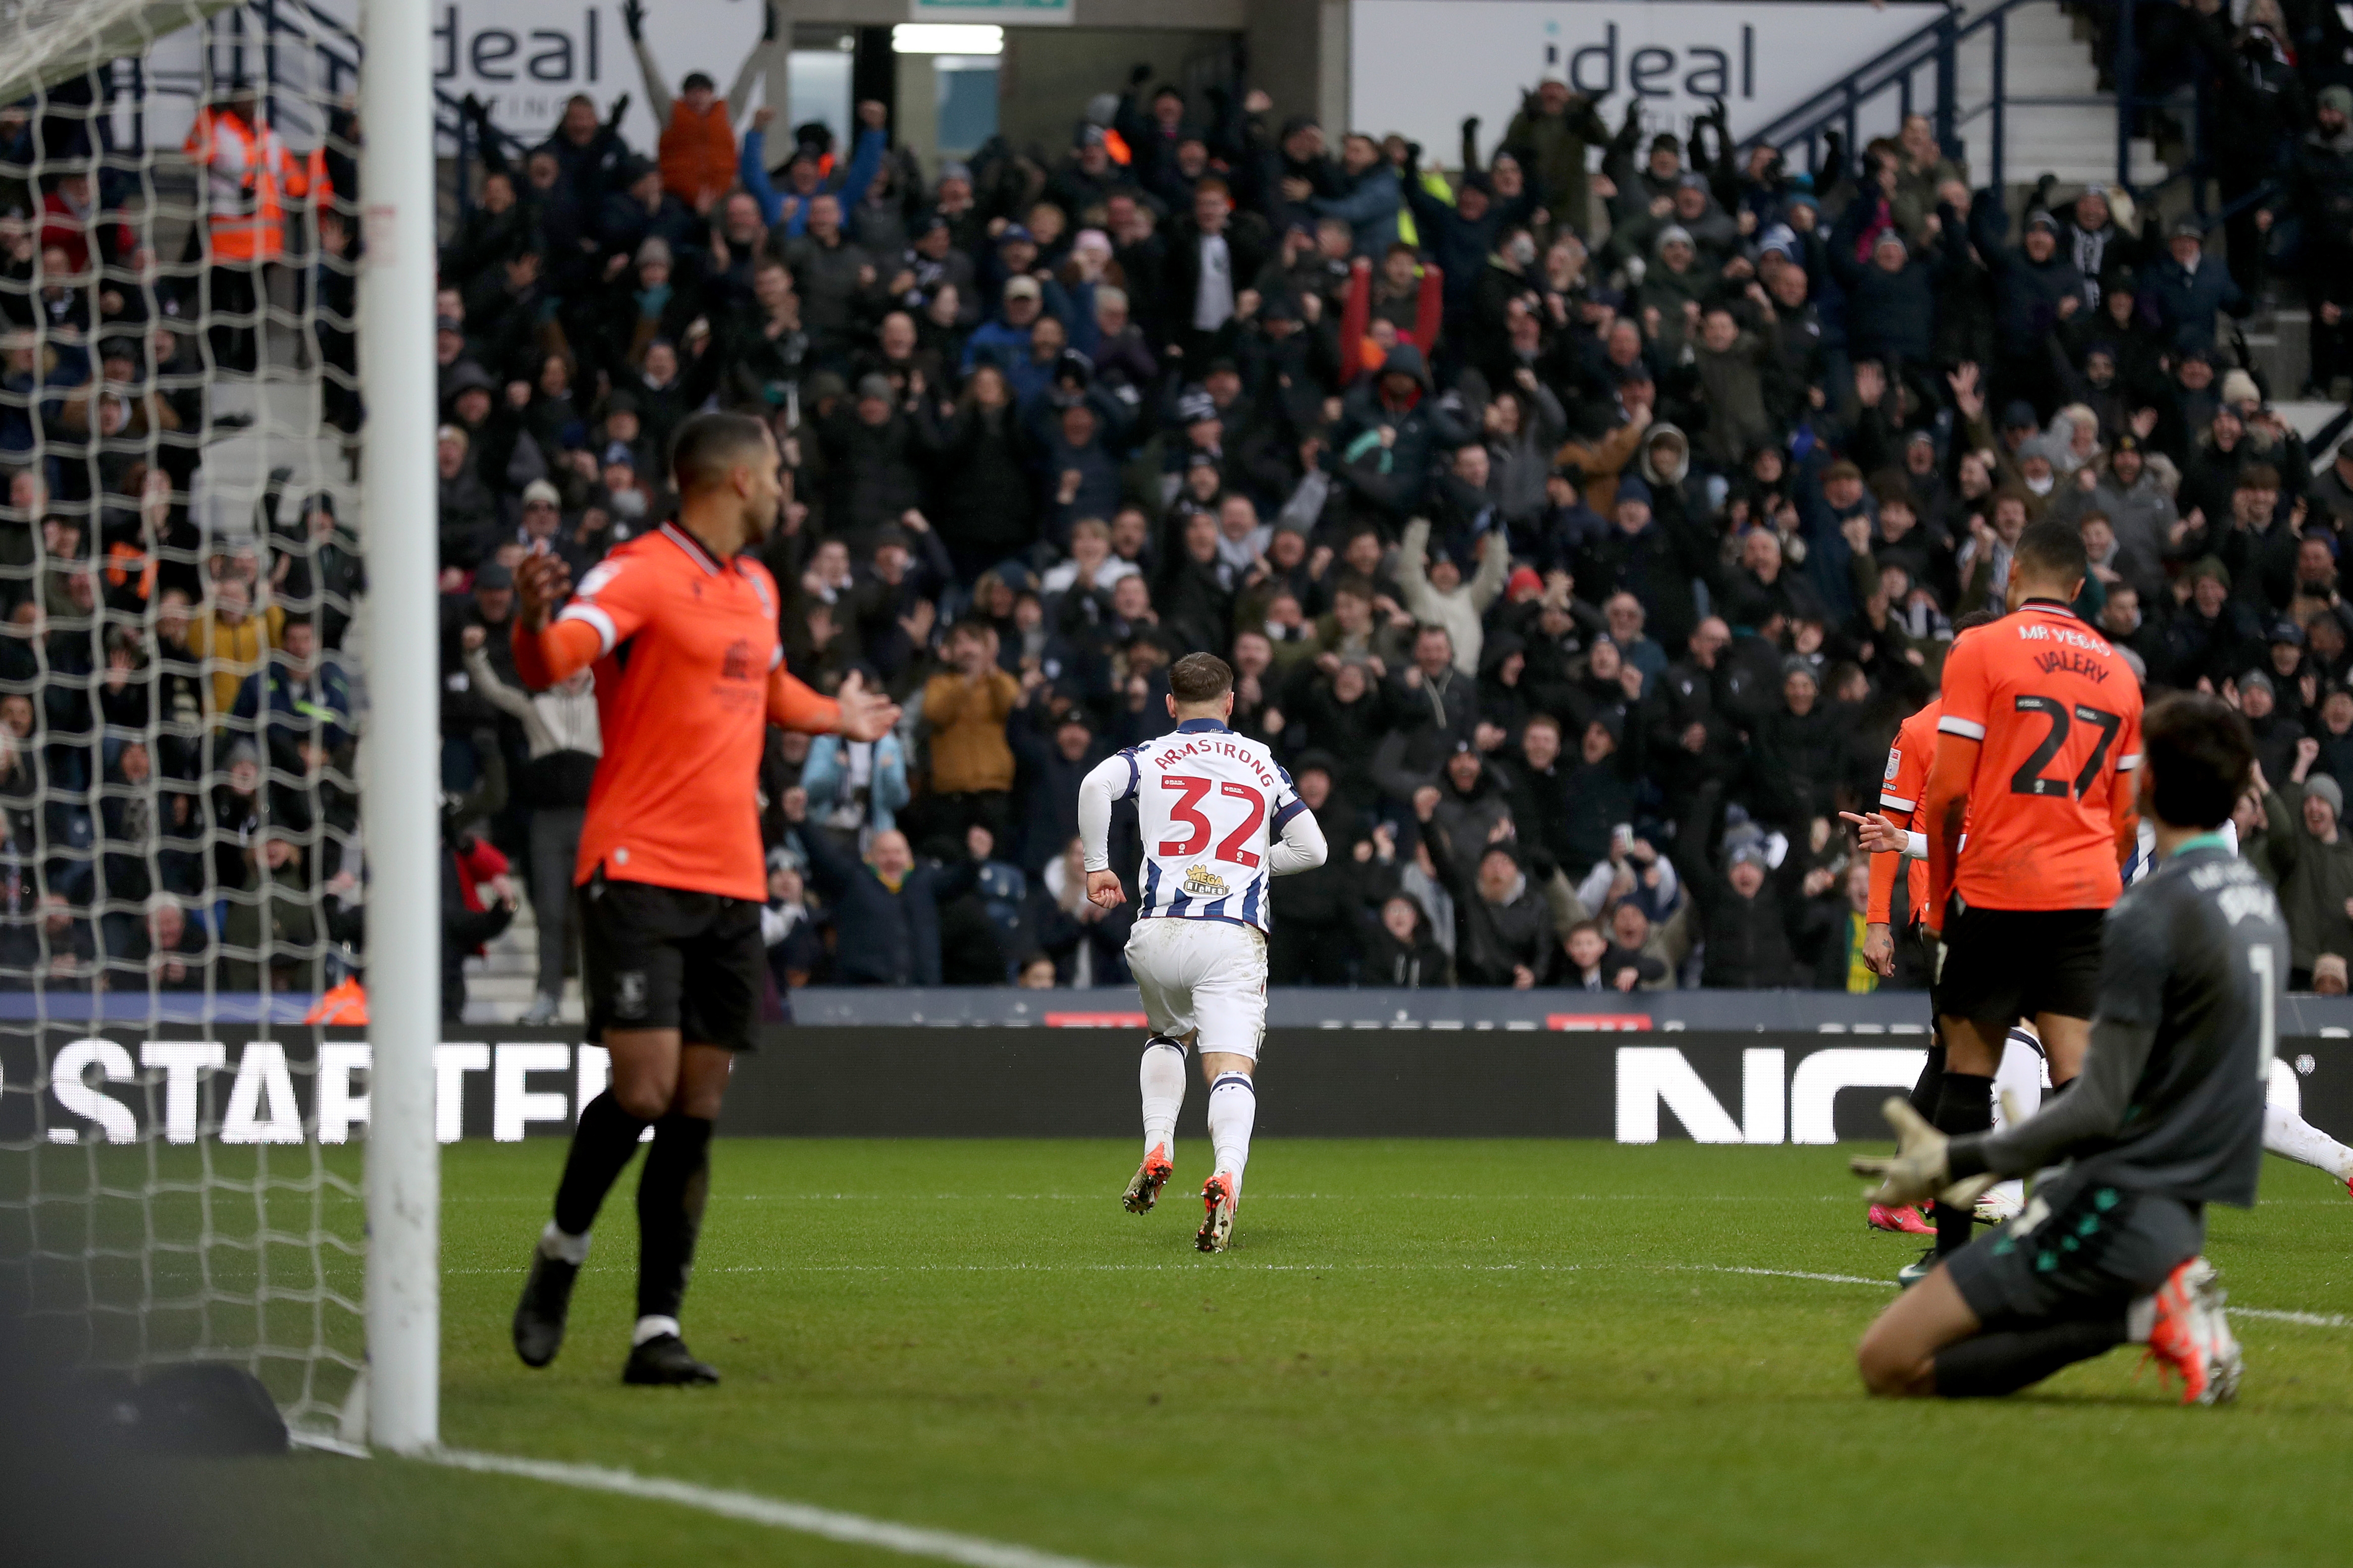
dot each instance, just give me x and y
(2167, 1118)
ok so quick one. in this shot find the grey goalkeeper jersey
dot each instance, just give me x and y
(2171, 1097)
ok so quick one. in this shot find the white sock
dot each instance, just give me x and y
(1233, 1110)
(2013, 1191)
(2019, 1076)
(2285, 1132)
(1162, 1079)
(652, 1328)
(563, 1247)
(2140, 1319)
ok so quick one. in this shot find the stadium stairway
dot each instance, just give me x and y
(2057, 121)
(502, 983)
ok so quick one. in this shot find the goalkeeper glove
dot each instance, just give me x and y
(1918, 1170)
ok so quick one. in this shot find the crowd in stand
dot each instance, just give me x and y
(1580, 518)
(176, 723)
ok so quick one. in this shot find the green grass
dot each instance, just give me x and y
(1429, 1353)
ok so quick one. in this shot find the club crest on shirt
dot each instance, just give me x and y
(1200, 882)
(630, 994)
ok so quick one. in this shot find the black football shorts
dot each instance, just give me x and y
(2001, 965)
(664, 958)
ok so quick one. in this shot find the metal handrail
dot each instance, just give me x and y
(1898, 61)
(1937, 46)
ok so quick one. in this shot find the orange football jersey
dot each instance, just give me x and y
(1900, 793)
(683, 684)
(2057, 711)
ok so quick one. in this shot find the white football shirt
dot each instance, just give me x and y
(1211, 804)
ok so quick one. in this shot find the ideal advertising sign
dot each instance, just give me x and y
(525, 58)
(1421, 66)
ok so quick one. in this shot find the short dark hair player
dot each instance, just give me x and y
(679, 627)
(2039, 730)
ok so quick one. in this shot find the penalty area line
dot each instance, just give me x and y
(832, 1524)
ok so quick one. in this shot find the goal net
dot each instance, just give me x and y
(184, 637)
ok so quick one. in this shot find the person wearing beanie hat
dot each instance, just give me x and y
(1779, 239)
(1749, 913)
(1891, 296)
(1552, 133)
(1640, 184)
(2317, 178)
(2272, 725)
(2312, 862)
(2187, 287)
(2036, 288)
(2239, 392)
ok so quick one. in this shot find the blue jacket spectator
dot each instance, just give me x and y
(855, 784)
(297, 697)
(2188, 286)
(1370, 200)
(752, 168)
(886, 916)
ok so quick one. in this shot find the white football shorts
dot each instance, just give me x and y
(1208, 975)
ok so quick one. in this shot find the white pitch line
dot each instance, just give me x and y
(1229, 1267)
(1778, 1274)
(856, 1529)
(2310, 1320)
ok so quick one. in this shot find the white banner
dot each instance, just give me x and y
(525, 58)
(1419, 67)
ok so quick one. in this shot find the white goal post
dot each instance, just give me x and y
(402, 788)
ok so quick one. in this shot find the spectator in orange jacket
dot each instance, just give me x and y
(698, 128)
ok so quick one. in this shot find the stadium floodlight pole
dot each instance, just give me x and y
(401, 785)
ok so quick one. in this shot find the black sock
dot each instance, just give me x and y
(671, 1194)
(2005, 1363)
(601, 1147)
(1931, 1084)
(1964, 1104)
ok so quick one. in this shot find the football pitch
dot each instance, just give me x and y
(1423, 1353)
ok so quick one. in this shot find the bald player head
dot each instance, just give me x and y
(725, 467)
